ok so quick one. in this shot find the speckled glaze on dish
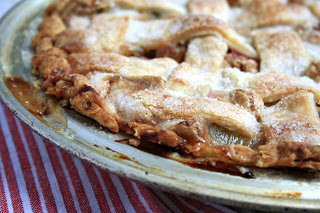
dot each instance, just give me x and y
(272, 189)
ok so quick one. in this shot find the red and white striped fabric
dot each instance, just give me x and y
(36, 176)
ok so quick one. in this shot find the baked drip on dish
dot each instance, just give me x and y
(231, 81)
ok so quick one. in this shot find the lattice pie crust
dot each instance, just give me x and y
(232, 81)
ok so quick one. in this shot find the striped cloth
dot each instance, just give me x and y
(36, 176)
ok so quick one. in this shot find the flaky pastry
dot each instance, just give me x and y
(231, 81)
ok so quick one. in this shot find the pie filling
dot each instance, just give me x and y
(230, 81)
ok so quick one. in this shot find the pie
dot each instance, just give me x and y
(232, 81)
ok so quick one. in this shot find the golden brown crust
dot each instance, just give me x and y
(289, 121)
(234, 154)
(88, 102)
(65, 8)
(118, 34)
(289, 154)
(206, 53)
(84, 63)
(277, 53)
(261, 13)
(50, 26)
(272, 87)
(70, 41)
(156, 135)
(216, 8)
(185, 78)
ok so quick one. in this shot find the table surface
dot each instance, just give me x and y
(36, 176)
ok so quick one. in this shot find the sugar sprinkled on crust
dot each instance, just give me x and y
(161, 71)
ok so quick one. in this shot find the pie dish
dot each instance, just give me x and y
(229, 81)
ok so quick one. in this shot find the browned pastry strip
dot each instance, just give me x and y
(156, 135)
(89, 103)
(273, 87)
(133, 37)
(187, 81)
(260, 13)
(71, 41)
(221, 113)
(206, 53)
(66, 8)
(182, 29)
(290, 154)
(216, 8)
(233, 154)
(201, 68)
(282, 51)
(84, 63)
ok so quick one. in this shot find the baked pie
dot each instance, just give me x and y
(232, 81)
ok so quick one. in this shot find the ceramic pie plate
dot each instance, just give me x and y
(271, 189)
